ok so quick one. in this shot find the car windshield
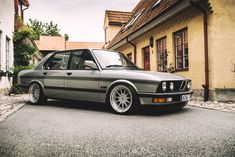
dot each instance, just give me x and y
(109, 60)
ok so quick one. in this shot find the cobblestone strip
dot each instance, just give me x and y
(10, 104)
(222, 106)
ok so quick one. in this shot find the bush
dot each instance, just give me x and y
(22, 49)
(15, 88)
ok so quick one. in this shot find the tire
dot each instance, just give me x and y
(36, 95)
(123, 99)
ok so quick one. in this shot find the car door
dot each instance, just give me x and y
(81, 82)
(54, 74)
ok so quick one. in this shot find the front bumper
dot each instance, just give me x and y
(147, 98)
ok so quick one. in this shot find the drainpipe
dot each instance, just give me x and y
(134, 46)
(205, 23)
(22, 11)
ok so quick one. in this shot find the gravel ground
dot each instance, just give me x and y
(73, 128)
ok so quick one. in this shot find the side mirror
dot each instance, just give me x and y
(90, 64)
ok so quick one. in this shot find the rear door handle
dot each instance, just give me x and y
(44, 73)
(69, 73)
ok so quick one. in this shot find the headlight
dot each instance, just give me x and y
(189, 85)
(171, 86)
(164, 86)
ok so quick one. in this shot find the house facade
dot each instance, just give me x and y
(7, 14)
(8, 21)
(48, 44)
(113, 22)
(191, 38)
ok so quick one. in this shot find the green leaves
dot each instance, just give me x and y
(40, 28)
(22, 49)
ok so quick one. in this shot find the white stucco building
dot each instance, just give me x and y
(7, 14)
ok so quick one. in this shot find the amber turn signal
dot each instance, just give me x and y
(159, 100)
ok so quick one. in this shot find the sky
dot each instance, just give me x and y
(82, 19)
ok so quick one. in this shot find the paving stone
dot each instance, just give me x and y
(223, 106)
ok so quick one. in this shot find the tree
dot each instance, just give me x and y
(40, 28)
(66, 37)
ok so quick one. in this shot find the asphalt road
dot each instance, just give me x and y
(82, 129)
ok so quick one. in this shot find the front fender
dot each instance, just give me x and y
(121, 82)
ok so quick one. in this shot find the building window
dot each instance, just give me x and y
(181, 49)
(7, 54)
(129, 55)
(157, 3)
(132, 21)
(162, 54)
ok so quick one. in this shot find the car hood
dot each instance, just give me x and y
(140, 75)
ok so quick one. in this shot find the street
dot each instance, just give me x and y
(75, 128)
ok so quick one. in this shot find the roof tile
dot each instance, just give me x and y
(146, 17)
(118, 17)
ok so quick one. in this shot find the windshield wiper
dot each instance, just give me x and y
(115, 65)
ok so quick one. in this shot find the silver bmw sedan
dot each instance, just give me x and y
(102, 76)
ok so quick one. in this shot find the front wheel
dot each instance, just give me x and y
(123, 99)
(36, 95)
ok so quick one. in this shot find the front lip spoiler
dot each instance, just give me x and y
(163, 95)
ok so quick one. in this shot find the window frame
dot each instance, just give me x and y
(157, 3)
(161, 51)
(184, 42)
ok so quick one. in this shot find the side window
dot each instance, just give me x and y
(78, 60)
(59, 61)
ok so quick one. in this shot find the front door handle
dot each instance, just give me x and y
(44, 73)
(69, 73)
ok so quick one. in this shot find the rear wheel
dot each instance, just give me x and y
(36, 95)
(123, 99)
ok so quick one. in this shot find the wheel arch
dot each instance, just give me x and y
(38, 82)
(118, 82)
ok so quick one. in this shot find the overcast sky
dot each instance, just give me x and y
(81, 19)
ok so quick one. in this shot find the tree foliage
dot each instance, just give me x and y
(40, 28)
(66, 37)
(22, 50)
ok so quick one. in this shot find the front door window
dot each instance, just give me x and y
(58, 62)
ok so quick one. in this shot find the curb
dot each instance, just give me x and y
(7, 114)
(210, 108)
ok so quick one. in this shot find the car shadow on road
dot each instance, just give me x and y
(161, 111)
(101, 107)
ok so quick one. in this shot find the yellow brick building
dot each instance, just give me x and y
(191, 38)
